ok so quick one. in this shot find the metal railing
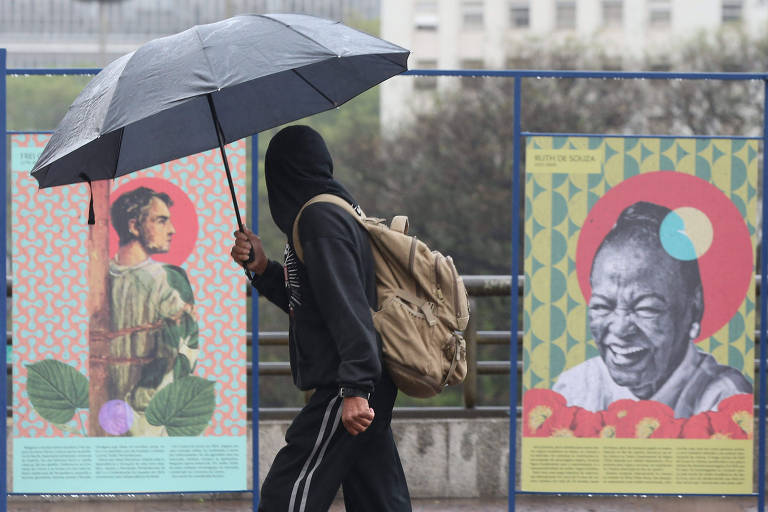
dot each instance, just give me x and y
(477, 287)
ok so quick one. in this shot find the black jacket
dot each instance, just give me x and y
(332, 338)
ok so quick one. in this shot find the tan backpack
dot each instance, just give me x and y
(422, 305)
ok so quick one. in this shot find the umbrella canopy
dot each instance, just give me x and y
(252, 72)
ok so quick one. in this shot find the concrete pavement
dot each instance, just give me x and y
(524, 503)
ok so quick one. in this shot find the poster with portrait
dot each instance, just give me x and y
(155, 399)
(639, 314)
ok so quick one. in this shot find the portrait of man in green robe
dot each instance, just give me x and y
(153, 320)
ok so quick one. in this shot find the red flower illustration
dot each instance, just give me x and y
(613, 414)
(539, 405)
(669, 430)
(588, 423)
(561, 424)
(712, 425)
(643, 419)
(572, 422)
(740, 410)
(698, 426)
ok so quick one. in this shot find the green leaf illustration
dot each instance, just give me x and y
(190, 330)
(177, 278)
(181, 367)
(186, 328)
(56, 390)
(171, 334)
(183, 407)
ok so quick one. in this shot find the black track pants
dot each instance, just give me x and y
(320, 456)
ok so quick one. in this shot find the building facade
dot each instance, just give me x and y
(500, 34)
(90, 33)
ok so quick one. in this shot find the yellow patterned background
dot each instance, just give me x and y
(556, 333)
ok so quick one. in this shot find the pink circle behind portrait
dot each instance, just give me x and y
(183, 217)
(726, 268)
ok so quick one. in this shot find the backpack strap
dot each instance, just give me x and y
(322, 198)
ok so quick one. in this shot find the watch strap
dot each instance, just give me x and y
(345, 392)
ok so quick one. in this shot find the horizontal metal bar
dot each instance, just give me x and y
(493, 367)
(52, 71)
(618, 75)
(495, 337)
(493, 411)
(288, 413)
(280, 338)
(486, 286)
(477, 286)
(272, 368)
(271, 338)
(510, 73)
(637, 136)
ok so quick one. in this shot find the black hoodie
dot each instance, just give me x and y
(332, 338)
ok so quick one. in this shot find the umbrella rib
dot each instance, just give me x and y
(302, 34)
(321, 93)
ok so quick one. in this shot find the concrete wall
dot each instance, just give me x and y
(442, 458)
(457, 458)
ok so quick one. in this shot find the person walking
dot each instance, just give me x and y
(342, 437)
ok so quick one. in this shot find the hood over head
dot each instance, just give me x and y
(298, 167)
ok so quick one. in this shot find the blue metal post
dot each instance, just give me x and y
(763, 314)
(3, 277)
(516, 156)
(255, 327)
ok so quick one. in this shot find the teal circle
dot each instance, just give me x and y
(674, 239)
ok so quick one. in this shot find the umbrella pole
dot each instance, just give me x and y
(220, 135)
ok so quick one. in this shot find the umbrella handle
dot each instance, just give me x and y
(220, 136)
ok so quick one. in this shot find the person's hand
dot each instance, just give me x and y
(356, 415)
(241, 250)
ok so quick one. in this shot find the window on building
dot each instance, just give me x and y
(659, 13)
(472, 82)
(565, 14)
(519, 14)
(424, 83)
(425, 15)
(732, 11)
(613, 12)
(472, 14)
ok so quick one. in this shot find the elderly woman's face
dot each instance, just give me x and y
(639, 314)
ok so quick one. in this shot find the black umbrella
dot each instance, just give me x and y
(208, 86)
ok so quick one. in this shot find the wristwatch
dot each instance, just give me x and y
(345, 392)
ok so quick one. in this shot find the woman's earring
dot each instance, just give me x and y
(695, 329)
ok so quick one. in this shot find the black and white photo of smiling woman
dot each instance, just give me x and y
(644, 314)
